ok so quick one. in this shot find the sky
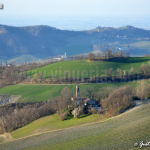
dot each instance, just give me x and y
(38, 8)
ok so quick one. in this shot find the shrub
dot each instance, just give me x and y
(77, 112)
(63, 116)
(93, 111)
(1, 129)
(148, 91)
(141, 89)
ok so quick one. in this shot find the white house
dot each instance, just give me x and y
(64, 56)
(61, 57)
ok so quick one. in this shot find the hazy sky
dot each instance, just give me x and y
(74, 7)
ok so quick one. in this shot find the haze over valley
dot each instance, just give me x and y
(31, 43)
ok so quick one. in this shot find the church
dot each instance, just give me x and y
(84, 100)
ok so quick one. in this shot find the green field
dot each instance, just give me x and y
(83, 68)
(120, 132)
(36, 93)
(50, 123)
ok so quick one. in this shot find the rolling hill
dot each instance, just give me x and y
(120, 132)
(53, 122)
(36, 93)
(83, 68)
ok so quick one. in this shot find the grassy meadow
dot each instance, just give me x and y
(53, 122)
(83, 68)
(78, 68)
(120, 132)
(36, 93)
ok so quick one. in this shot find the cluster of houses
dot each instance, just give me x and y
(61, 57)
(5, 64)
(91, 103)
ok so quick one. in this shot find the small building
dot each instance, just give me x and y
(79, 100)
(64, 56)
(92, 104)
(84, 100)
(57, 58)
(61, 57)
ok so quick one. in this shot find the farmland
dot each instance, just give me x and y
(52, 122)
(36, 93)
(83, 68)
(120, 132)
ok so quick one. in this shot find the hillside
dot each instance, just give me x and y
(36, 93)
(44, 41)
(120, 132)
(52, 122)
(83, 68)
(35, 40)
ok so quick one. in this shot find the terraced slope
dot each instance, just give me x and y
(120, 133)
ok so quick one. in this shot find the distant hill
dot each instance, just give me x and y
(32, 40)
(49, 41)
(23, 58)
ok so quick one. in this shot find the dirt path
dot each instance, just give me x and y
(141, 102)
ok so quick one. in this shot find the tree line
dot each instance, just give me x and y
(107, 55)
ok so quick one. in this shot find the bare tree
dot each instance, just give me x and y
(117, 101)
(141, 89)
(66, 95)
(121, 53)
(90, 92)
(91, 56)
(109, 72)
(99, 55)
(145, 69)
(119, 73)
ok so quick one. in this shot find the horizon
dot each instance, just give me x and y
(78, 23)
(76, 15)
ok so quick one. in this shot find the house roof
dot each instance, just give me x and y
(80, 98)
(91, 102)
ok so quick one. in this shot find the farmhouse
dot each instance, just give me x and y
(85, 100)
